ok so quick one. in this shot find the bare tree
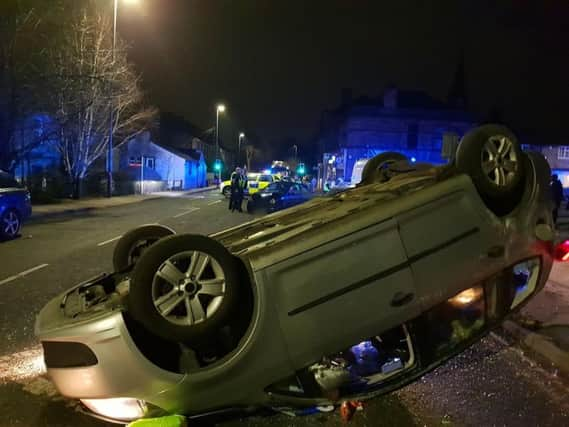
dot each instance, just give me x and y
(20, 84)
(87, 82)
(251, 152)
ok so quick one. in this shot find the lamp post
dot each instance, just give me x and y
(295, 147)
(111, 118)
(241, 137)
(219, 109)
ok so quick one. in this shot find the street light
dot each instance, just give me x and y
(219, 109)
(111, 130)
(241, 137)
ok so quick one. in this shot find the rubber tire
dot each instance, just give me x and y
(226, 191)
(371, 168)
(141, 306)
(5, 236)
(124, 247)
(501, 200)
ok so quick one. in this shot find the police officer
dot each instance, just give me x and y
(235, 178)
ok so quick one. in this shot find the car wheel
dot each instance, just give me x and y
(492, 157)
(375, 165)
(184, 288)
(10, 224)
(272, 205)
(226, 191)
(131, 245)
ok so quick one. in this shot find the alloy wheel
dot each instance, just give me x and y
(188, 288)
(10, 224)
(500, 162)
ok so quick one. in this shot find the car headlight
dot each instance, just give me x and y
(120, 409)
(467, 297)
(266, 194)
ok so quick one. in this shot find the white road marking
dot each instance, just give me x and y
(22, 274)
(213, 203)
(106, 242)
(187, 212)
(22, 365)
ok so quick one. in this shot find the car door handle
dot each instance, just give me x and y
(402, 298)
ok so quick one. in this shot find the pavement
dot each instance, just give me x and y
(67, 206)
(542, 327)
(492, 383)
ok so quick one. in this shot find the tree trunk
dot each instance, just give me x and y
(77, 188)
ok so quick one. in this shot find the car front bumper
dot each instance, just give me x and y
(98, 359)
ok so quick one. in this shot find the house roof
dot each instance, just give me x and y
(411, 104)
(185, 153)
(172, 124)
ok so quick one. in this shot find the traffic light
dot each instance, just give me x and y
(301, 170)
(217, 166)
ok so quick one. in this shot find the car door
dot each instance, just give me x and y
(451, 243)
(11, 195)
(288, 196)
(303, 194)
(346, 290)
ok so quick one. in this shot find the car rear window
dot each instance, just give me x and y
(6, 181)
(266, 178)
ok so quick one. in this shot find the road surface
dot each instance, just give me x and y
(493, 383)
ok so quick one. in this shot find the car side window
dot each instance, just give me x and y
(8, 182)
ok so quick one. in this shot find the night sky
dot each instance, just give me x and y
(278, 64)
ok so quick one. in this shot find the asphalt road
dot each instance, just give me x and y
(493, 383)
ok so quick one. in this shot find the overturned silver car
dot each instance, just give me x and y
(343, 297)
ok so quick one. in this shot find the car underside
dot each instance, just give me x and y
(343, 297)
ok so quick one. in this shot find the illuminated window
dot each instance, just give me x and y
(150, 162)
(134, 161)
(563, 153)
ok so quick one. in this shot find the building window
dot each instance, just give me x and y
(134, 161)
(563, 153)
(150, 162)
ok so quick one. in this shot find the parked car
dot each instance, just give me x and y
(260, 182)
(278, 195)
(225, 186)
(255, 182)
(15, 206)
(340, 298)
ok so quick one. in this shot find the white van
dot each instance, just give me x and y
(357, 172)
